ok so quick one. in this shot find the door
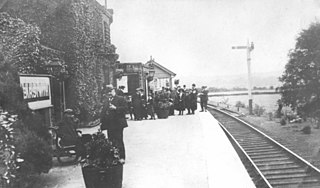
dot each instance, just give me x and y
(133, 83)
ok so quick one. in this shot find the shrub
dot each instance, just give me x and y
(26, 139)
(306, 130)
(35, 152)
(34, 122)
(9, 157)
(258, 110)
(240, 104)
(283, 121)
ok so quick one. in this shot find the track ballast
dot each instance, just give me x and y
(277, 165)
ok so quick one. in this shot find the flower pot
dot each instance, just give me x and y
(103, 178)
(163, 113)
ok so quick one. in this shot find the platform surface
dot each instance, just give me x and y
(189, 151)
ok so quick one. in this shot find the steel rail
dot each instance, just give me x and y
(263, 134)
(292, 154)
(246, 155)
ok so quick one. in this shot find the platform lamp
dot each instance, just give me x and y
(152, 72)
(149, 78)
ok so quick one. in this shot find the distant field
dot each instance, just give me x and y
(268, 101)
(231, 93)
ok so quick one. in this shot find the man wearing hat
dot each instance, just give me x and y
(113, 118)
(137, 104)
(193, 98)
(68, 133)
(120, 91)
(203, 98)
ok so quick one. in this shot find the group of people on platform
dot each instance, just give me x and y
(115, 106)
(179, 99)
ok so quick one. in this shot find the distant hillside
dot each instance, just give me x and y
(258, 80)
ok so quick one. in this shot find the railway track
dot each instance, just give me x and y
(276, 165)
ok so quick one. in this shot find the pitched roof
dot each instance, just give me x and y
(161, 67)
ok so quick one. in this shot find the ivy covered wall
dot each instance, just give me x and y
(77, 28)
(20, 44)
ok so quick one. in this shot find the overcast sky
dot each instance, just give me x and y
(194, 37)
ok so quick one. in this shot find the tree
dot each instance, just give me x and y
(30, 136)
(301, 78)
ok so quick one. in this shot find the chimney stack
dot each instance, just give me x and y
(105, 4)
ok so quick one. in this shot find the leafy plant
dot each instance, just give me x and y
(8, 154)
(11, 97)
(306, 130)
(164, 105)
(283, 121)
(101, 152)
(71, 27)
(20, 44)
(240, 104)
(35, 151)
(300, 89)
(26, 153)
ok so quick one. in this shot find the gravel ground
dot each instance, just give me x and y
(290, 135)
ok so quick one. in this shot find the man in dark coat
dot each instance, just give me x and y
(113, 118)
(130, 106)
(120, 91)
(150, 106)
(144, 111)
(188, 100)
(68, 133)
(137, 104)
(204, 98)
(172, 98)
(193, 98)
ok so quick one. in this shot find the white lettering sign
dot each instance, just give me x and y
(36, 91)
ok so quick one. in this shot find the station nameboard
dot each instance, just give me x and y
(36, 91)
(130, 67)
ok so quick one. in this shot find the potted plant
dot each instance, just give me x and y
(163, 109)
(102, 166)
(163, 105)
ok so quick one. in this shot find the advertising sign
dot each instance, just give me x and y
(157, 83)
(123, 81)
(36, 91)
(163, 82)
